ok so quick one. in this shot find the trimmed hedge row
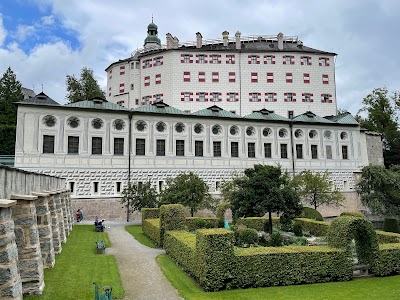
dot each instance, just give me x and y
(317, 228)
(387, 237)
(270, 266)
(356, 214)
(257, 223)
(172, 217)
(387, 261)
(152, 229)
(150, 213)
(181, 246)
(192, 223)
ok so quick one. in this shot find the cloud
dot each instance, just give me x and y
(47, 20)
(3, 32)
(24, 31)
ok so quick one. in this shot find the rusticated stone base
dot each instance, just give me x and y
(55, 229)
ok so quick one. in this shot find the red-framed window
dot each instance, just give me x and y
(202, 97)
(305, 60)
(187, 58)
(232, 77)
(269, 59)
(253, 59)
(158, 78)
(215, 77)
(325, 79)
(186, 96)
(121, 70)
(146, 80)
(158, 61)
(326, 98)
(289, 77)
(271, 97)
(230, 59)
(288, 60)
(307, 97)
(254, 97)
(270, 77)
(324, 61)
(232, 97)
(254, 77)
(306, 77)
(202, 76)
(186, 76)
(289, 97)
(122, 87)
(215, 59)
(201, 58)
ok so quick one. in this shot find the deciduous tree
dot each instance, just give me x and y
(84, 88)
(139, 195)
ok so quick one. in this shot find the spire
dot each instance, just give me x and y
(152, 40)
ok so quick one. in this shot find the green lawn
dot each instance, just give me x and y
(78, 266)
(137, 233)
(372, 288)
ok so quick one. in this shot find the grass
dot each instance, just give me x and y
(137, 233)
(78, 266)
(358, 289)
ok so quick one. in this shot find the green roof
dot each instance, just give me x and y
(160, 108)
(96, 103)
(309, 117)
(345, 118)
(267, 115)
(215, 111)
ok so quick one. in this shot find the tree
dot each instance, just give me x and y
(265, 189)
(382, 111)
(10, 92)
(138, 196)
(187, 189)
(83, 89)
(379, 189)
(317, 189)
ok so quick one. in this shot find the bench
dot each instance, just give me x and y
(100, 247)
(361, 270)
(106, 295)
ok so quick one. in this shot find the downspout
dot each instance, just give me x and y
(129, 159)
(292, 146)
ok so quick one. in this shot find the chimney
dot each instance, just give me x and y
(280, 40)
(238, 43)
(199, 40)
(169, 41)
(225, 35)
(175, 43)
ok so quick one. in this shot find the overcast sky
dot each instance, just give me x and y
(45, 40)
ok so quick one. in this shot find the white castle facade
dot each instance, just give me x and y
(98, 145)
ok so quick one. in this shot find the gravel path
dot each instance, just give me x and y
(141, 277)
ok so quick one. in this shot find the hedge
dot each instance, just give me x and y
(391, 225)
(257, 223)
(151, 228)
(191, 223)
(150, 213)
(317, 228)
(271, 266)
(181, 246)
(172, 217)
(387, 262)
(387, 237)
(356, 214)
(311, 213)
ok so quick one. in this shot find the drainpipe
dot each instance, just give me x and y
(292, 146)
(129, 160)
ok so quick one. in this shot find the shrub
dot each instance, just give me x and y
(172, 217)
(194, 223)
(387, 261)
(257, 223)
(316, 228)
(200, 223)
(387, 237)
(221, 209)
(276, 239)
(297, 229)
(151, 228)
(311, 213)
(150, 213)
(356, 214)
(248, 236)
(391, 225)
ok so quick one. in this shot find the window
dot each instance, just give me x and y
(215, 97)
(160, 148)
(132, 86)
(73, 145)
(306, 77)
(314, 151)
(214, 59)
(289, 77)
(140, 146)
(198, 148)
(325, 79)
(267, 150)
(72, 187)
(215, 77)
(282, 133)
(186, 76)
(232, 77)
(254, 77)
(198, 128)
(186, 97)
(201, 58)
(288, 60)
(324, 61)
(329, 152)
(202, 76)
(97, 145)
(217, 185)
(233, 111)
(48, 144)
(270, 77)
(160, 185)
(305, 60)
(121, 70)
(118, 185)
(146, 100)
(186, 58)
(158, 78)
(313, 134)
(269, 59)
(254, 97)
(251, 149)
(180, 148)
(202, 97)
(159, 61)
(270, 97)
(299, 151)
(290, 114)
(307, 97)
(95, 188)
(136, 101)
(217, 149)
(231, 97)
(234, 149)
(180, 127)
(284, 153)
(325, 98)
(158, 97)
(118, 146)
(253, 59)
(146, 64)
(344, 152)
(289, 97)
(230, 59)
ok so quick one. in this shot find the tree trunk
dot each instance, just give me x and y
(270, 222)
(315, 203)
(192, 211)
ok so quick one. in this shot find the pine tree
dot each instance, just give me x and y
(83, 89)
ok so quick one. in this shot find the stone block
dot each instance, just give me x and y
(8, 255)
(6, 227)
(5, 214)
(19, 237)
(33, 235)
(13, 291)
(25, 221)
(8, 273)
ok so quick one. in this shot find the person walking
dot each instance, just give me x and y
(80, 215)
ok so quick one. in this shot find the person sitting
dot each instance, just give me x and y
(99, 226)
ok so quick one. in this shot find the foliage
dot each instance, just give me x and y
(379, 189)
(194, 223)
(356, 214)
(150, 213)
(382, 110)
(258, 223)
(371, 288)
(387, 261)
(229, 186)
(221, 210)
(264, 189)
(137, 232)
(311, 213)
(387, 237)
(276, 239)
(248, 236)
(172, 217)
(7, 139)
(316, 228)
(187, 189)
(297, 229)
(391, 225)
(317, 189)
(139, 196)
(344, 229)
(84, 88)
(152, 229)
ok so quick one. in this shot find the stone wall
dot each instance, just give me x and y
(27, 229)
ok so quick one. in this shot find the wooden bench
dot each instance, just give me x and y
(107, 295)
(100, 247)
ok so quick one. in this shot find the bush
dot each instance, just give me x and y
(297, 229)
(151, 228)
(276, 239)
(316, 228)
(221, 209)
(172, 217)
(387, 237)
(356, 214)
(391, 225)
(150, 213)
(257, 223)
(387, 261)
(311, 213)
(194, 223)
(248, 236)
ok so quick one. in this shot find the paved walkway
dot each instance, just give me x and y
(141, 277)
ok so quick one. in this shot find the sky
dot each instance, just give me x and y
(43, 41)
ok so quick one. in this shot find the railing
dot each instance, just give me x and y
(7, 160)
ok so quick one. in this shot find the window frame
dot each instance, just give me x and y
(284, 151)
(140, 147)
(180, 147)
(73, 144)
(119, 146)
(234, 149)
(299, 151)
(314, 151)
(48, 144)
(251, 150)
(199, 148)
(160, 147)
(97, 145)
